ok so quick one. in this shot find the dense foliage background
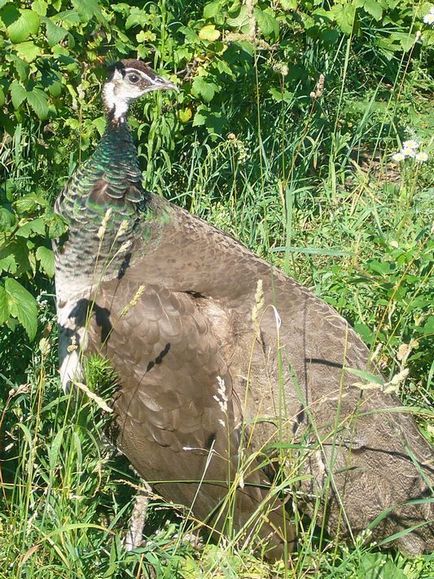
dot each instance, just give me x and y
(283, 133)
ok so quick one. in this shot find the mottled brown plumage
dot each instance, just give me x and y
(220, 359)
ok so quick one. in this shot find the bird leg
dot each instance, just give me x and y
(133, 538)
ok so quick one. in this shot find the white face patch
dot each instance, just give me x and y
(114, 99)
(119, 91)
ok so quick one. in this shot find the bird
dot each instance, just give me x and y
(231, 376)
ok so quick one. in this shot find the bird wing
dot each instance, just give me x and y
(178, 417)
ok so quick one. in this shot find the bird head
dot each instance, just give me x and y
(129, 80)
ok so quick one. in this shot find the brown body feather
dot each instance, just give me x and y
(181, 325)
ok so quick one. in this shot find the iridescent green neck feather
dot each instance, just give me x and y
(104, 202)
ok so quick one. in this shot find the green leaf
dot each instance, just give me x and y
(4, 306)
(30, 203)
(344, 15)
(55, 88)
(365, 332)
(7, 219)
(364, 375)
(40, 7)
(55, 33)
(373, 8)
(241, 20)
(381, 267)
(46, 259)
(28, 51)
(212, 9)
(202, 88)
(8, 264)
(22, 305)
(2, 96)
(428, 327)
(100, 124)
(9, 14)
(185, 115)
(405, 39)
(87, 10)
(199, 119)
(34, 226)
(18, 94)
(145, 36)
(56, 227)
(289, 4)
(267, 23)
(37, 99)
(209, 32)
(137, 17)
(27, 24)
(278, 95)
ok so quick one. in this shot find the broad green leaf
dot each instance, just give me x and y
(26, 25)
(68, 17)
(2, 96)
(185, 115)
(344, 15)
(289, 4)
(28, 51)
(387, 46)
(381, 267)
(9, 14)
(100, 124)
(278, 95)
(373, 8)
(241, 20)
(55, 33)
(55, 88)
(428, 327)
(37, 99)
(209, 32)
(4, 306)
(30, 203)
(212, 9)
(199, 119)
(22, 305)
(223, 67)
(19, 263)
(18, 94)
(8, 264)
(22, 68)
(145, 36)
(267, 23)
(34, 226)
(137, 17)
(7, 219)
(202, 88)
(46, 259)
(87, 10)
(56, 227)
(40, 7)
(405, 39)
(365, 332)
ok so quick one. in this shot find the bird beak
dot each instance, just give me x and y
(160, 83)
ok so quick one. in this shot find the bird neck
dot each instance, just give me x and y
(103, 204)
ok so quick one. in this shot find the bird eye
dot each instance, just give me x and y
(134, 78)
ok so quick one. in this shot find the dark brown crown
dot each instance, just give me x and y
(133, 63)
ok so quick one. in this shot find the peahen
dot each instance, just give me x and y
(225, 364)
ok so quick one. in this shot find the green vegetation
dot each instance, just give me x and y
(282, 134)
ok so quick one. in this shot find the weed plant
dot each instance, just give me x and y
(284, 135)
